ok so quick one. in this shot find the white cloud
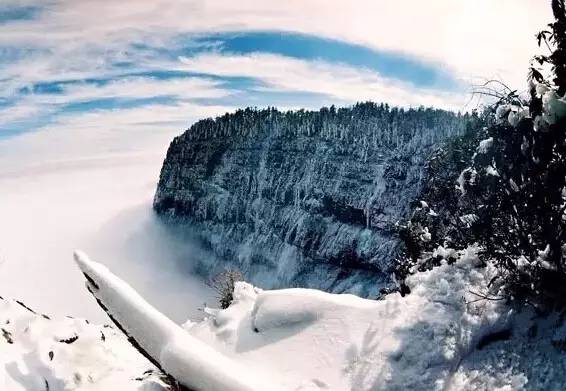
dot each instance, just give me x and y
(342, 82)
(179, 89)
(66, 188)
(147, 87)
(19, 112)
(64, 63)
(471, 38)
(74, 40)
(101, 131)
(155, 117)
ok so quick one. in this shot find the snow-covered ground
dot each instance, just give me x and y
(317, 340)
(61, 190)
(38, 354)
(440, 337)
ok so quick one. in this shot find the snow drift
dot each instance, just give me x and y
(325, 341)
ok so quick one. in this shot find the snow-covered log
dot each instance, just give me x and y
(188, 360)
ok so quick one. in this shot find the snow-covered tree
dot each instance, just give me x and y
(512, 197)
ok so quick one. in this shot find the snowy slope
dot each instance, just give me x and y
(38, 354)
(341, 342)
(442, 336)
(190, 361)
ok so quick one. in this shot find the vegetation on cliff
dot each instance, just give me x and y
(510, 196)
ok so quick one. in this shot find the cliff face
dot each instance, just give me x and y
(305, 198)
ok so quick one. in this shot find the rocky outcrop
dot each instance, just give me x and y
(302, 198)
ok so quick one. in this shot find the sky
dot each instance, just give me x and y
(94, 65)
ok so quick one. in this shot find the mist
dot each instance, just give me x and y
(58, 193)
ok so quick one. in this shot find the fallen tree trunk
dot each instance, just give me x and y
(192, 364)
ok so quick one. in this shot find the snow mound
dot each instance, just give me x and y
(322, 341)
(554, 107)
(38, 354)
(485, 145)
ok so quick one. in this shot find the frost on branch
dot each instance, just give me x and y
(513, 184)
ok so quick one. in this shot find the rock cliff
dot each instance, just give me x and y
(304, 198)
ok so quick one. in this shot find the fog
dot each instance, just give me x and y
(61, 192)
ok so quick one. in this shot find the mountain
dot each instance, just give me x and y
(302, 198)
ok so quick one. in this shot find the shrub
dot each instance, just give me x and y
(223, 283)
(512, 196)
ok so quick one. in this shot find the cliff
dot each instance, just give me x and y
(305, 198)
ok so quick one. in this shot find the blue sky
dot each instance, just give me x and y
(138, 63)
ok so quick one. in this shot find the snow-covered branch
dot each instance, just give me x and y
(188, 360)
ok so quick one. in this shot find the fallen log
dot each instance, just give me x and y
(190, 362)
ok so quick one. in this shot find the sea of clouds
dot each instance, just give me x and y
(64, 190)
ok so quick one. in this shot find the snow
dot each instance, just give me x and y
(541, 89)
(439, 337)
(325, 341)
(513, 114)
(491, 170)
(513, 185)
(554, 107)
(445, 253)
(502, 112)
(542, 258)
(189, 360)
(469, 219)
(426, 236)
(462, 181)
(37, 354)
(436, 338)
(485, 145)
